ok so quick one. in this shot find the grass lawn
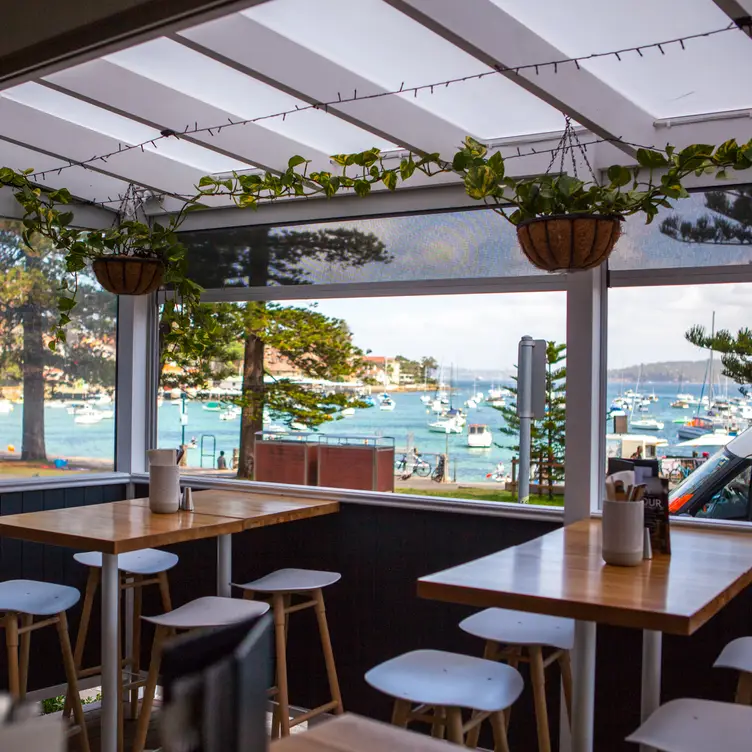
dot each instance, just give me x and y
(18, 469)
(481, 494)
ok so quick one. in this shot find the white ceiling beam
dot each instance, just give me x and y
(126, 93)
(244, 44)
(482, 29)
(40, 131)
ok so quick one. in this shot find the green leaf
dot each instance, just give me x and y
(362, 188)
(568, 186)
(480, 182)
(66, 304)
(651, 159)
(206, 180)
(496, 163)
(619, 175)
(390, 180)
(293, 162)
(407, 168)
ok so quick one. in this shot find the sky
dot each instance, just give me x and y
(482, 331)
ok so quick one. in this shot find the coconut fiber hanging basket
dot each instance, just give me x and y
(129, 275)
(569, 242)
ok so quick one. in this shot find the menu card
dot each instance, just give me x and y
(656, 509)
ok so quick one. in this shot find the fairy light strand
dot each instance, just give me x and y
(555, 65)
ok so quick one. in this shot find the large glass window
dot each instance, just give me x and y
(57, 408)
(670, 399)
(468, 244)
(412, 394)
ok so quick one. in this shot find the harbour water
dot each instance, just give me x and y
(407, 425)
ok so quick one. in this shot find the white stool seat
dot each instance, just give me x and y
(211, 611)
(737, 655)
(520, 628)
(145, 561)
(435, 677)
(36, 598)
(292, 581)
(690, 725)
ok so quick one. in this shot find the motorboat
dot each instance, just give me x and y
(348, 412)
(387, 404)
(647, 424)
(471, 403)
(88, 417)
(479, 436)
(231, 413)
(212, 407)
(698, 426)
(680, 405)
(76, 408)
(445, 425)
(56, 404)
(497, 402)
(426, 399)
(101, 399)
(437, 407)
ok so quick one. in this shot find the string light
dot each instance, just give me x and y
(497, 70)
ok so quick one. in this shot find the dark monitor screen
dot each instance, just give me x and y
(215, 689)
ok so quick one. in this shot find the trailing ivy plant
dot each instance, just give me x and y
(626, 192)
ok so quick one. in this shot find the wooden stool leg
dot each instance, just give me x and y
(401, 713)
(71, 676)
(25, 642)
(565, 665)
(278, 605)
(11, 644)
(142, 729)
(538, 680)
(164, 591)
(498, 723)
(489, 653)
(135, 658)
(744, 689)
(92, 583)
(326, 644)
(438, 727)
(454, 725)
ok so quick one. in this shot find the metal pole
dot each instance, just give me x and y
(652, 643)
(110, 669)
(182, 419)
(584, 686)
(525, 412)
(224, 565)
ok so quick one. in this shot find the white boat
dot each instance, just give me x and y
(348, 412)
(107, 414)
(55, 404)
(387, 404)
(479, 436)
(213, 407)
(426, 399)
(296, 426)
(437, 407)
(274, 428)
(445, 425)
(88, 417)
(497, 402)
(229, 414)
(76, 408)
(471, 403)
(101, 399)
(647, 424)
(6, 407)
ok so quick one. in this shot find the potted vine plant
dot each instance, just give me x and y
(130, 258)
(563, 223)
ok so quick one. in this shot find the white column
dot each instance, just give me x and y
(136, 387)
(652, 648)
(585, 458)
(110, 670)
(586, 383)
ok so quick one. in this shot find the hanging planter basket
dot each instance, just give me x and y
(129, 275)
(569, 242)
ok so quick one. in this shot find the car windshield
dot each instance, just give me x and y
(693, 481)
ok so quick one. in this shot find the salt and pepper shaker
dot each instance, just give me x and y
(186, 503)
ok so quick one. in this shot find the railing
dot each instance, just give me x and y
(541, 474)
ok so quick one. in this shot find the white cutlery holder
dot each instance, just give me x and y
(164, 488)
(623, 527)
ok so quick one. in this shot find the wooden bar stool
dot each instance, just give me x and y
(23, 600)
(518, 637)
(202, 613)
(690, 725)
(435, 687)
(738, 655)
(279, 588)
(138, 569)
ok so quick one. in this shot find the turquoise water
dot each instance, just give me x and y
(407, 424)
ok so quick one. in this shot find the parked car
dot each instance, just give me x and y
(721, 487)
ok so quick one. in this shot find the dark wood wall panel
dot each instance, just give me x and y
(34, 561)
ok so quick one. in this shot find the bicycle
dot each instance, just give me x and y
(438, 474)
(405, 467)
(679, 473)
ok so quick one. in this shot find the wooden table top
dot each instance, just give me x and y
(562, 573)
(122, 526)
(353, 733)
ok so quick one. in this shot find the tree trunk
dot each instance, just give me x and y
(32, 442)
(252, 416)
